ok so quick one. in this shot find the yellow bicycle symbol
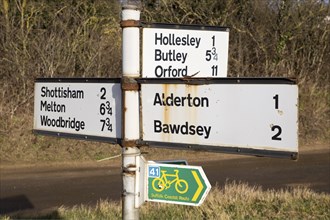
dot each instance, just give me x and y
(161, 183)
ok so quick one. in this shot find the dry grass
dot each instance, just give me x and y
(240, 201)
(234, 201)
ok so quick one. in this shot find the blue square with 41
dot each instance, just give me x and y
(154, 171)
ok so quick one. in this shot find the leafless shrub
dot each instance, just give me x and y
(54, 39)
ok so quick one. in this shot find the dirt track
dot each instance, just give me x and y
(41, 190)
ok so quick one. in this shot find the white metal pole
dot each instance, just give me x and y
(131, 120)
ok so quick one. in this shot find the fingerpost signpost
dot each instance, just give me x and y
(184, 100)
(176, 51)
(241, 115)
(79, 108)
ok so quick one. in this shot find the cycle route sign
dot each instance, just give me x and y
(176, 184)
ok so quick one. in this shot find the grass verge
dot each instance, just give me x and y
(233, 201)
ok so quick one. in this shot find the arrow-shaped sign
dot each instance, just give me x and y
(178, 184)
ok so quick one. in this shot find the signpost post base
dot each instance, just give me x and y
(130, 157)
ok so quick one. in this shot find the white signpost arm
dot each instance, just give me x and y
(130, 90)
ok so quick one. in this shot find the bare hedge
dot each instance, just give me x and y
(286, 38)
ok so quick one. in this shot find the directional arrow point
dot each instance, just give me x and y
(200, 186)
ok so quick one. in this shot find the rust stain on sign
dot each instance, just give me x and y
(166, 112)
